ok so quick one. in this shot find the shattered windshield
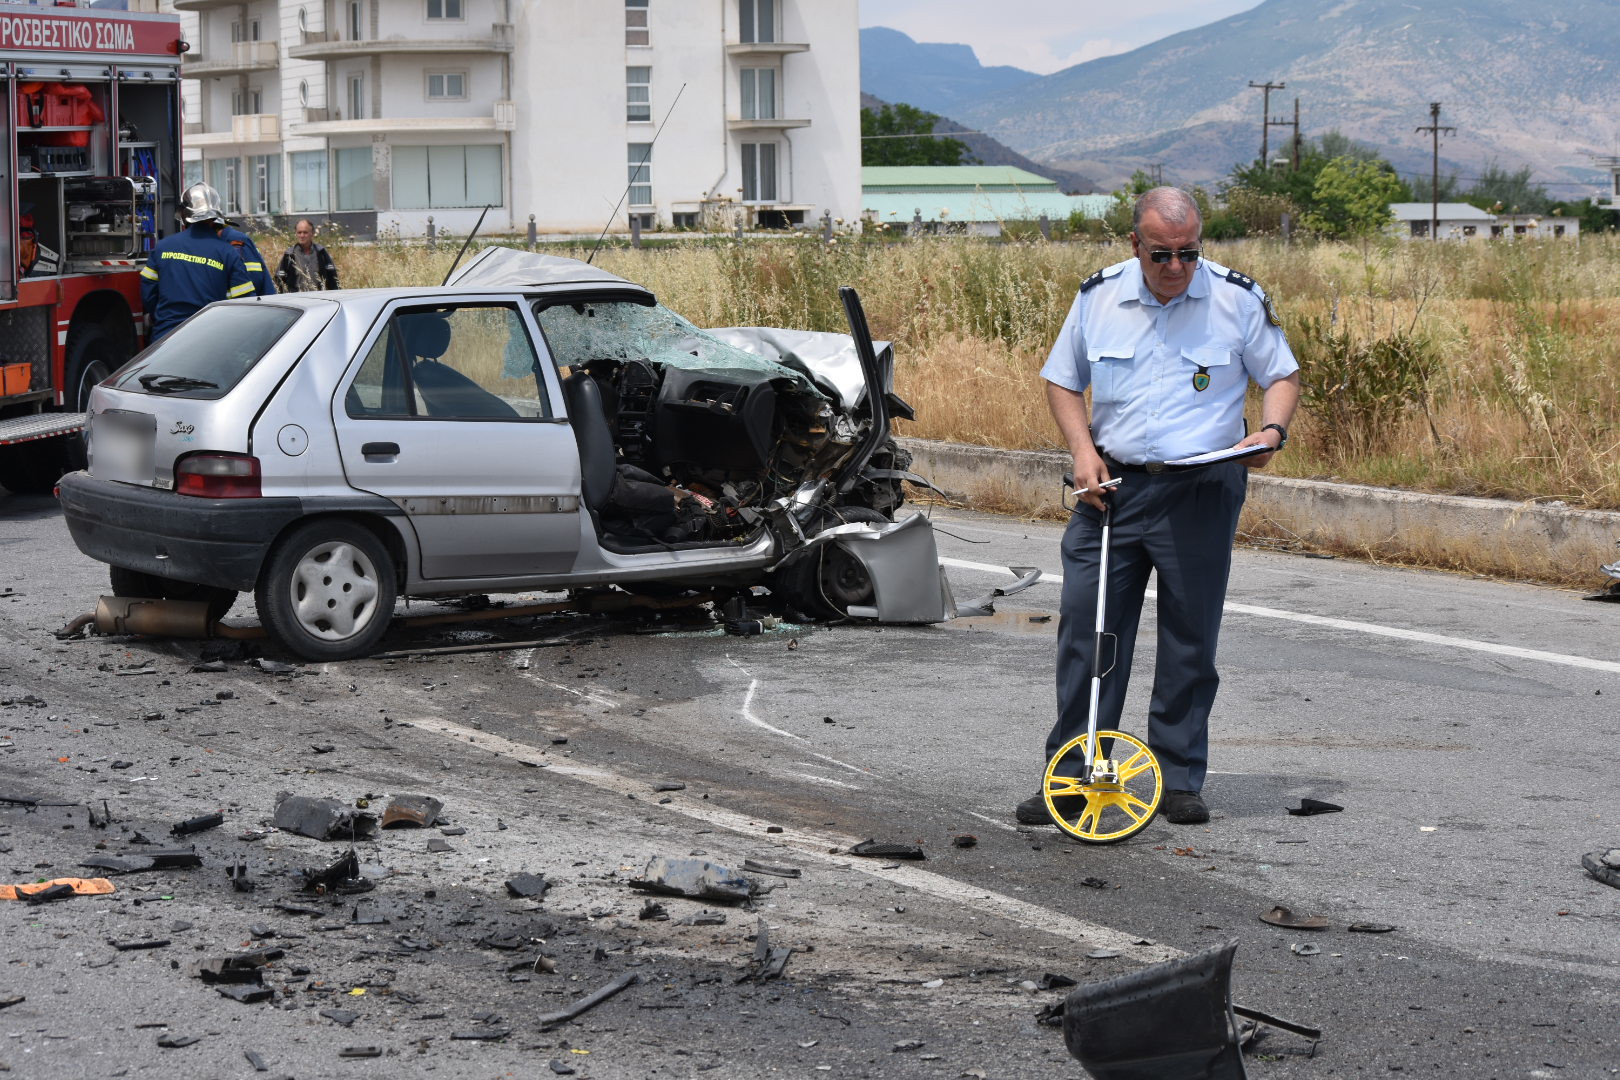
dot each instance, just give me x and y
(580, 333)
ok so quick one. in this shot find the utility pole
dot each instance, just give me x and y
(1296, 134)
(1265, 89)
(1434, 129)
(1157, 169)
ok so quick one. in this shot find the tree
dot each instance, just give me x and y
(1351, 199)
(1450, 187)
(879, 145)
(1514, 190)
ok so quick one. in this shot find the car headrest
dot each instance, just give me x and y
(425, 334)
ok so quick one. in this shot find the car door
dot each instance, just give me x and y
(450, 413)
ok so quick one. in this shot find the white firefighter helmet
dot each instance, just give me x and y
(199, 203)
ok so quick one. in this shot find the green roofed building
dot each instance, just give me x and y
(971, 199)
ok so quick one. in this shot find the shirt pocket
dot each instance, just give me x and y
(1212, 361)
(1110, 372)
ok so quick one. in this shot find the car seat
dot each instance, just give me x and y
(445, 392)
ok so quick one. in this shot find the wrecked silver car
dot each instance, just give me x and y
(536, 424)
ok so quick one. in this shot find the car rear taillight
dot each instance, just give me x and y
(218, 476)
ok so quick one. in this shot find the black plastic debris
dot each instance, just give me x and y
(118, 864)
(528, 886)
(238, 874)
(175, 1042)
(341, 876)
(561, 1067)
(872, 849)
(1604, 865)
(206, 667)
(411, 810)
(670, 785)
(104, 818)
(1050, 981)
(653, 910)
(492, 1034)
(256, 1060)
(505, 942)
(1281, 916)
(237, 968)
(439, 845)
(343, 1017)
(695, 879)
(133, 946)
(589, 1001)
(366, 914)
(360, 1052)
(768, 963)
(752, 866)
(298, 909)
(15, 999)
(246, 993)
(964, 840)
(704, 918)
(1307, 807)
(60, 891)
(1094, 882)
(1369, 928)
(323, 819)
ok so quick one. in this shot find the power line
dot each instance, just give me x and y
(925, 135)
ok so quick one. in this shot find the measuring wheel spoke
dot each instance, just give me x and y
(1063, 785)
(1134, 766)
(1116, 809)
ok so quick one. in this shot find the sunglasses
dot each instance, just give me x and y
(1186, 255)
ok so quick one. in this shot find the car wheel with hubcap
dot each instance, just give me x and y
(328, 590)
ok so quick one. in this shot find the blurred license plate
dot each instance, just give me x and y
(121, 445)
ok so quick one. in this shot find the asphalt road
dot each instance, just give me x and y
(1467, 727)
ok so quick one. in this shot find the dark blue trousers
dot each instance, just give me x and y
(1179, 525)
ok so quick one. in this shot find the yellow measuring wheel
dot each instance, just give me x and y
(1119, 798)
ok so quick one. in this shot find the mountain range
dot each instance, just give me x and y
(1523, 84)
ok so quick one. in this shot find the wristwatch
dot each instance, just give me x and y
(1280, 430)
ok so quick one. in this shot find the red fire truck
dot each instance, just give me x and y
(91, 161)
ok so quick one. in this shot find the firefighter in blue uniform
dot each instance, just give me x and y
(189, 270)
(263, 283)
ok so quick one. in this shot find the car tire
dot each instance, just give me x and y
(327, 591)
(136, 583)
(830, 580)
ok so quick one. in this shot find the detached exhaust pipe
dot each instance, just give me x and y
(160, 618)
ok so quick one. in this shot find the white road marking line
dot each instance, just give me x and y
(747, 713)
(1375, 629)
(584, 695)
(994, 821)
(846, 765)
(826, 780)
(814, 847)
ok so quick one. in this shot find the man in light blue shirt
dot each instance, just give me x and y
(1167, 342)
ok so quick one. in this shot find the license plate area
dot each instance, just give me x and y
(121, 446)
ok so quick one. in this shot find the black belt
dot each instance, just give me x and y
(1152, 467)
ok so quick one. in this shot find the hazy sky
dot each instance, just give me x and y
(1045, 35)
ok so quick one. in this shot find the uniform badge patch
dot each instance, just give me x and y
(1201, 379)
(1271, 312)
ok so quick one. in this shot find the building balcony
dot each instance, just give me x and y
(325, 123)
(773, 123)
(766, 48)
(325, 45)
(244, 57)
(246, 130)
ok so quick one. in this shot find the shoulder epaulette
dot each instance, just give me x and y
(1091, 282)
(1240, 279)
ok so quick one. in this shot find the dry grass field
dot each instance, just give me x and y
(1486, 369)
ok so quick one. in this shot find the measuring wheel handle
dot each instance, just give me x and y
(1105, 797)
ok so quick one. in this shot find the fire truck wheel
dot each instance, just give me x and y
(32, 468)
(127, 582)
(327, 592)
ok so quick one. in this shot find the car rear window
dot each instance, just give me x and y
(209, 353)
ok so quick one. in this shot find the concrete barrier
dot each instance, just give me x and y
(1536, 540)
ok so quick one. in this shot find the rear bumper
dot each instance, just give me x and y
(219, 542)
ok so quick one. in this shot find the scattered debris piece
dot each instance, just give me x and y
(908, 1044)
(1304, 948)
(1094, 882)
(696, 879)
(175, 1042)
(274, 667)
(872, 849)
(132, 946)
(491, 1034)
(589, 1001)
(18, 999)
(1369, 928)
(754, 867)
(56, 889)
(769, 963)
(208, 667)
(1049, 981)
(237, 968)
(964, 840)
(528, 886)
(1604, 865)
(704, 918)
(238, 874)
(1307, 807)
(324, 748)
(1281, 916)
(506, 942)
(323, 819)
(653, 910)
(360, 1052)
(256, 1060)
(342, 876)
(416, 810)
(670, 785)
(344, 1017)
(439, 845)
(247, 994)
(1102, 954)
(561, 1067)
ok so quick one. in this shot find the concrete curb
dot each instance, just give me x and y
(1541, 541)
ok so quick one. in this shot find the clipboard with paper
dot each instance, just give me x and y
(1215, 457)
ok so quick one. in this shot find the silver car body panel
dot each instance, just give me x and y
(908, 584)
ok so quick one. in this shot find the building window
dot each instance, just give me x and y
(223, 176)
(248, 31)
(756, 20)
(1470, 230)
(638, 93)
(356, 22)
(434, 177)
(354, 171)
(357, 97)
(308, 181)
(246, 102)
(1420, 228)
(685, 220)
(191, 172)
(266, 173)
(758, 93)
(759, 172)
(641, 193)
(444, 9)
(635, 23)
(447, 86)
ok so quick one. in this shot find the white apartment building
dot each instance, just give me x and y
(378, 114)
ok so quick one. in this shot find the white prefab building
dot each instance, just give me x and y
(377, 114)
(1458, 221)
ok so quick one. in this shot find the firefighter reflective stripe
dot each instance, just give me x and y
(241, 290)
(254, 267)
(149, 273)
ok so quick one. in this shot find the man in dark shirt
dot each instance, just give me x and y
(307, 266)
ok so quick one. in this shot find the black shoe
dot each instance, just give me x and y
(1032, 811)
(1183, 808)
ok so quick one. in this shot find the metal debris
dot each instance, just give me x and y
(1281, 916)
(696, 879)
(418, 810)
(200, 823)
(342, 876)
(768, 963)
(246, 993)
(528, 886)
(753, 867)
(237, 968)
(590, 1001)
(174, 1042)
(323, 819)
(874, 850)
